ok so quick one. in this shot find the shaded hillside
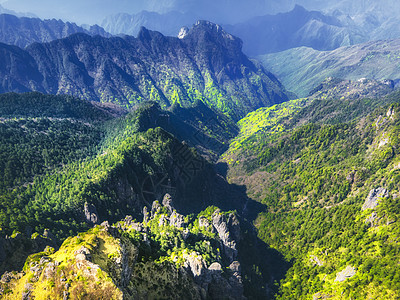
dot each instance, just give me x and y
(68, 165)
(60, 153)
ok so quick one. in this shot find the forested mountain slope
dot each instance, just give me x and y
(68, 165)
(327, 170)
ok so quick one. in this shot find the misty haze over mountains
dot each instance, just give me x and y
(219, 11)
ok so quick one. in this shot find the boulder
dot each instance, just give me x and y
(216, 267)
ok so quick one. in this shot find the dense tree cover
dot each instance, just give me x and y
(317, 171)
(52, 166)
(32, 146)
(56, 200)
(34, 105)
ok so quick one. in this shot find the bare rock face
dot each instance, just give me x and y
(183, 32)
(91, 215)
(373, 198)
(155, 208)
(228, 232)
(194, 263)
(348, 272)
(223, 287)
(145, 214)
(204, 223)
(167, 202)
(177, 220)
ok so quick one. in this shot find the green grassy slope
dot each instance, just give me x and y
(301, 69)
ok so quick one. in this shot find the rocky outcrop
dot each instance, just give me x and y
(91, 215)
(167, 202)
(347, 273)
(372, 201)
(177, 220)
(183, 32)
(14, 250)
(128, 257)
(316, 261)
(213, 283)
(228, 232)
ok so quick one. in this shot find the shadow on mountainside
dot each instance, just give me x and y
(262, 266)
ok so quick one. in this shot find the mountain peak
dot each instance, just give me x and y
(204, 33)
(210, 27)
(183, 32)
(298, 8)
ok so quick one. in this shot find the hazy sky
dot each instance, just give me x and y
(223, 11)
(93, 11)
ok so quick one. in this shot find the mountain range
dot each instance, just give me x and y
(205, 64)
(299, 27)
(25, 31)
(274, 33)
(168, 23)
(300, 69)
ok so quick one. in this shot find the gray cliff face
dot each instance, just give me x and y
(228, 232)
(347, 273)
(372, 201)
(91, 215)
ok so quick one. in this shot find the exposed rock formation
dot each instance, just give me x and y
(348, 272)
(229, 233)
(372, 201)
(128, 260)
(91, 215)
